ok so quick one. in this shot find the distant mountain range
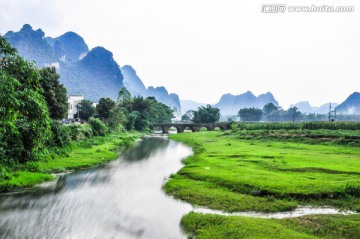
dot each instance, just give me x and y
(190, 105)
(92, 73)
(305, 107)
(231, 104)
(136, 87)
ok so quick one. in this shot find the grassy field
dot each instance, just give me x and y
(234, 227)
(244, 171)
(86, 153)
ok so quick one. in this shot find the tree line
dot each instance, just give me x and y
(269, 113)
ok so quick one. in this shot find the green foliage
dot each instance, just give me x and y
(269, 108)
(206, 114)
(138, 113)
(54, 92)
(332, 125)
(124, 95)
(85, 109)
(80, 132)
(98, 127)
(117, 118)
(104, 107)
(61, 134)
(24, 116)
(85, 153)
(188, 116)
(250, 114)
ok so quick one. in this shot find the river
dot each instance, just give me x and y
(122, 199)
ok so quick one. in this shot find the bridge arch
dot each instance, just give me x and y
(180, 127)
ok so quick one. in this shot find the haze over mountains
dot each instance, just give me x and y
(351, 105)
(95, 73)
(230, 104)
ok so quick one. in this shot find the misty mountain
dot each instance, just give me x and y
(231, 104)
(136, 87)
(94, 76)
(32, 45)
(190, 105)
(132, 82)
(93, 73)
(351, 105)
(305, 107)
(69, 47)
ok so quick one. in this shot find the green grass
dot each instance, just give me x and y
(272, 176)
(79, 155)
(233, 227)
(269, 170)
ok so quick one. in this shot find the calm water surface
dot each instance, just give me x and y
(120, 200)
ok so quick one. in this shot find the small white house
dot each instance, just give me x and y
(73, 100)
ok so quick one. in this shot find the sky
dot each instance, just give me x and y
(202, 49)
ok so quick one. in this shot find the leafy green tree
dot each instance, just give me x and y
(138, 113)
(188, 116)
(118, 118)
(206, 114)
(24, 116)
(104, 107)
(85, 109)
(158, 112)
(123, 95)
(250, 114)
(55, 93)
(270, 110)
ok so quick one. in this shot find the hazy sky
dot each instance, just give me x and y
(202, 49)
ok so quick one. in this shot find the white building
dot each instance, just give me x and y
(73, 100)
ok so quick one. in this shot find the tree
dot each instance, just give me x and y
(188, 116)
(138, 113)
(250, 114)
(104, 107)
(55, 93)
(24, 116)
(85, 109)
(269, 110)
(123, 95)
(206, 114)
(118, 118)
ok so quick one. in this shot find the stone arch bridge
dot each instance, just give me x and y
(180, 127)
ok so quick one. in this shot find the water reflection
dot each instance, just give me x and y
(120, 200)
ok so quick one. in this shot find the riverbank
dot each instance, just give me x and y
(233, 173)
(82, 154)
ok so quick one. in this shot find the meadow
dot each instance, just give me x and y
(269, 168)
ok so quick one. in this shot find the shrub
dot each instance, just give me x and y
(61, 134)
(98, 127)
(4, 174)
(79, 132)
